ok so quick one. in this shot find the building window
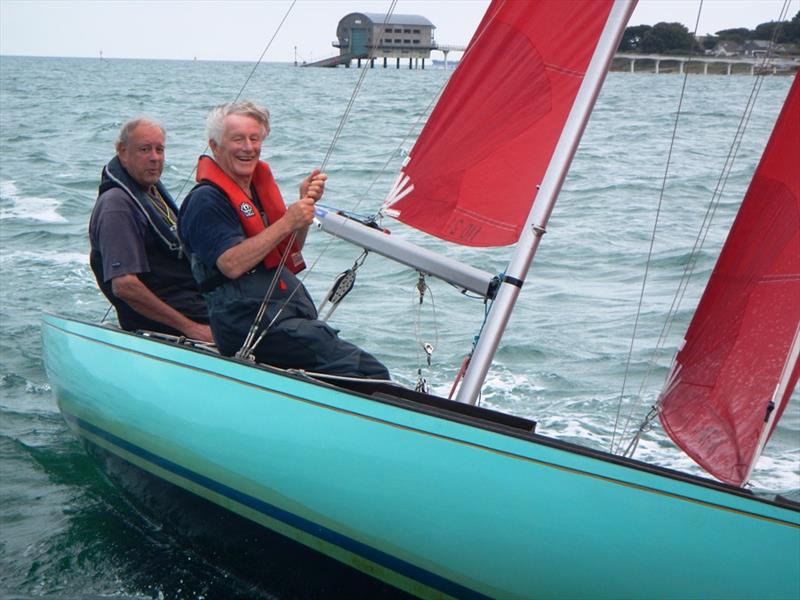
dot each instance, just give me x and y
(416, 41)
(416, 31)
(406, 41)
(398, 41)
(406, 31)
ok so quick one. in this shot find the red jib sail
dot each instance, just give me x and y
(740, 340)
(472, 174)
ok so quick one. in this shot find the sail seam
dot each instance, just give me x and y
(564, 70)
(484, 219)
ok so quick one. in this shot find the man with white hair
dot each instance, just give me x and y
(135, 253)
(239, 232)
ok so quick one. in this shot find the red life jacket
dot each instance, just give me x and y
(271, 202)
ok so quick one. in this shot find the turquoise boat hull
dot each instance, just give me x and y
(437, 502)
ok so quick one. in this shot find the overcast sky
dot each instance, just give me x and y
(240, 29)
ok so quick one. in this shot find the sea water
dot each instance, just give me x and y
(65, 530)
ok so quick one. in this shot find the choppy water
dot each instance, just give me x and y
(66, 531)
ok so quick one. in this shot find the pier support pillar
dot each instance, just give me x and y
(371, 63)
(729, 68)
(384, 62)
(658, 64)
(423, 64)
(398, 62)
(445, 58)
(680, 66)
(358, 63)
(410, 63)
(633, 62)
(705, 68)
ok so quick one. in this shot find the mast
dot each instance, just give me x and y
(536, 223)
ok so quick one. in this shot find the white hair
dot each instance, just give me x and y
(216, 118)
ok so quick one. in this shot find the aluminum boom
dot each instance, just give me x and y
(420, 259)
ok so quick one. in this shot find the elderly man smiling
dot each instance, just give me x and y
(238, 230)
(135, 251)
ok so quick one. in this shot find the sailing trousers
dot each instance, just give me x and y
(297, 339)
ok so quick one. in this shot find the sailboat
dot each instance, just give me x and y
(445, 498)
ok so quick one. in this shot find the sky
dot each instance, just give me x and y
(241, 29)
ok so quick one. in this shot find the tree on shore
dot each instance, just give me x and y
(675, 38)
(632, 38)
(658, 39)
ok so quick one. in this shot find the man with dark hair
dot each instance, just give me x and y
(135, 253)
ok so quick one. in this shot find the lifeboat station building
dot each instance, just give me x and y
(371, 36)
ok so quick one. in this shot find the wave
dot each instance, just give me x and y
(19, 258)
(27, 208)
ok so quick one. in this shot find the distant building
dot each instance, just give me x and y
(361, 35)
(727, 49)
(757, 48)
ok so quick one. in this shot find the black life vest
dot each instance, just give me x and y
(114, 175)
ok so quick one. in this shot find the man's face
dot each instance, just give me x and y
(143, 155)
(240, 149)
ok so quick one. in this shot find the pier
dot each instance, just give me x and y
(364, 38)
(701, 64)
(447, 48)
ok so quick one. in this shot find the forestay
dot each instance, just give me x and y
(473, 173)
(734, 376)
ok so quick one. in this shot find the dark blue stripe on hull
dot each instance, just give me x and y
(328, 535)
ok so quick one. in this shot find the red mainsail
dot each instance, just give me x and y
(739, 341)
(472, 174)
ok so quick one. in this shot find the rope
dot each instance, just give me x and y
(487, 305)
(422, 287)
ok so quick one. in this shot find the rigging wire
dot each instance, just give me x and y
(688, 271)
(108, 310)
(700, 240)
(248, 348)
(251, 342)
(652, 241)
(246, 81)
(356, 90)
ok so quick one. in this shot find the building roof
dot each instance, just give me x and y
(380, 18)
